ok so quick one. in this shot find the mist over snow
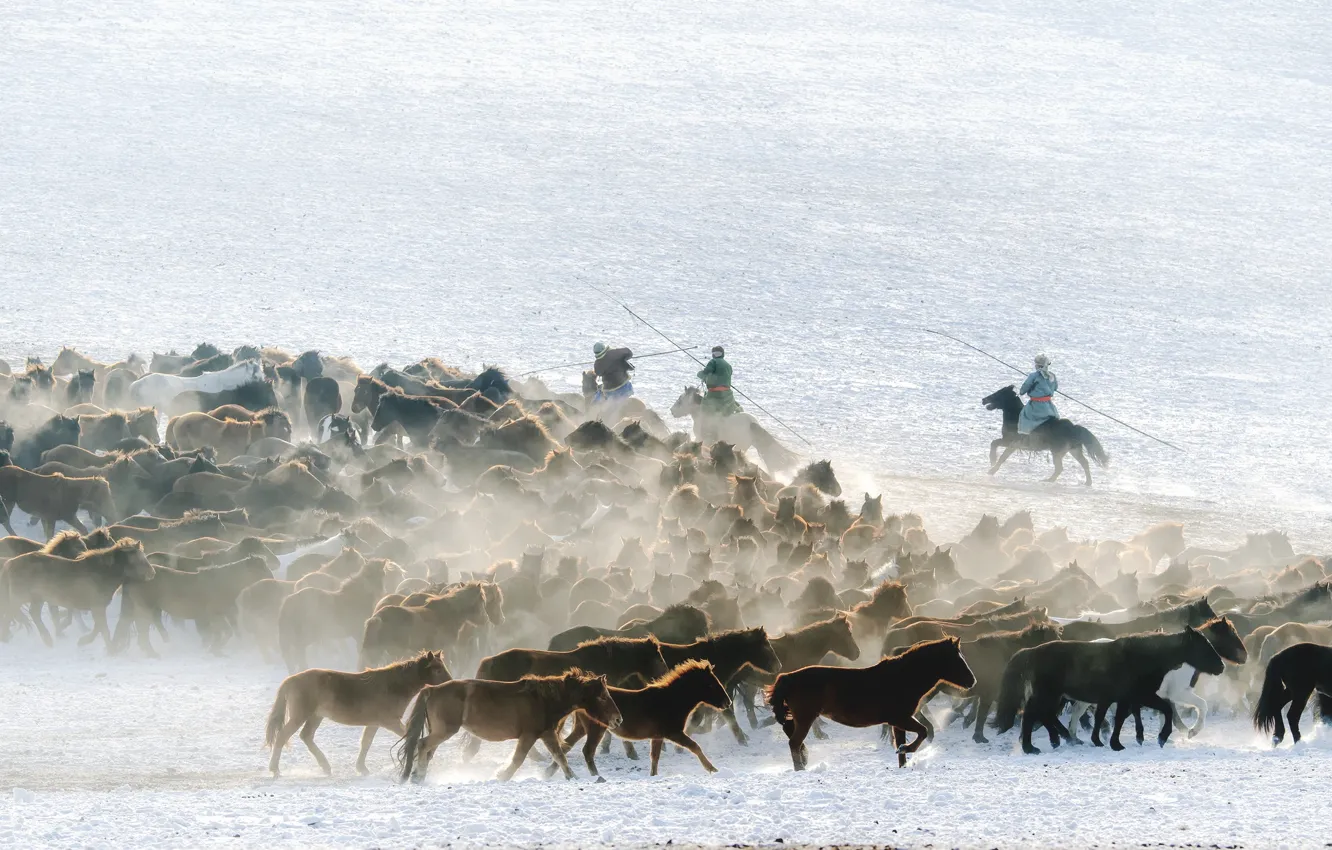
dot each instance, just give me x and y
(1138, 189)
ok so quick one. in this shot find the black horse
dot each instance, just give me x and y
(1057, 436)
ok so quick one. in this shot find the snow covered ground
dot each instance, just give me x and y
(1138, 189)
(168, 753)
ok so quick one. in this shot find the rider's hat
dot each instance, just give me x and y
(599, 349)
(718, 351)
(1042, 361)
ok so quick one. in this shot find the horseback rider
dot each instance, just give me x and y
(1040, 387)
(612, 366)
(716, 376)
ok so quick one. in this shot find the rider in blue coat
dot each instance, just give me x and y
(1040, 387)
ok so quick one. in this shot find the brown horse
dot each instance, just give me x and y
(889, 692)
(801, 648)
(314, 614)
(54, 498)
(84, 583)
(529, 710)
(207, 596)
(658, 712)
(371, 698)
(228, 437)
(397, 630)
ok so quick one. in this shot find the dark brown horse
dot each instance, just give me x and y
(658, 712)
(889, 692)
(528, 710)
(1292, 676)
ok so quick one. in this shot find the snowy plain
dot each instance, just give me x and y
(1138, 189)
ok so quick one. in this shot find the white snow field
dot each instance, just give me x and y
(1139, 189)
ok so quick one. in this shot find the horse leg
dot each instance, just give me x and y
(1008, 452)
(816, 728)
(899, 741)
(1082, 461)
(1199, 705)
(307, 737)
(1102, 708)
(280, 742)
(981, 713)
(367, 738)
(922, 735)
(76, 523)
(1121, 714)
(728, 714)
(746, 690)
(99, 628)
(552, 741)
(1028, 725)
(524, 744)
(471, 748)
(425, 751)
(1137, 723)
(594, 735)
(799, 729)
(1075, 718)
(692, 746)
(1167, 708)
(1297, 709)
(1058, 465)
(35, 614)
(924, 720)
(994, 449)
(657, 744)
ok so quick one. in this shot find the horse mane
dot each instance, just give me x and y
(886, 592)
(612, 643)
(57, 541)
(192, 518)
(924, 647)
(121, 545)
(680, 671)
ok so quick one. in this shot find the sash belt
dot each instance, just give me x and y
(1042, 398)
(718, 389)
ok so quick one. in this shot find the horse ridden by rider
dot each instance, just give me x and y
(1037, 425)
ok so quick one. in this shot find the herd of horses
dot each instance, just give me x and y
(603, 574)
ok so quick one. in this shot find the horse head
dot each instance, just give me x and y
(688, 403)
(1002, 399)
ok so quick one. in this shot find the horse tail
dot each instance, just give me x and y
(776, 457)
(1273, 696)
(1088, 441)
(277, 716)
(404, 753)
(776, 696)
(1013, 690)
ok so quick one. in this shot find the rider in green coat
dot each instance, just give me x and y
(716, 376)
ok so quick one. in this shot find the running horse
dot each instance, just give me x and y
(1056, 436)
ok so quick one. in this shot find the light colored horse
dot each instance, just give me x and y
(739, 429)
(158, 389)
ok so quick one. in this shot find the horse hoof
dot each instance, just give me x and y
(1116, 746)
(1193, 733)
(1161, 742)
(1030, 750)
(601, 780)
(981, 740)
(1077, 742)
